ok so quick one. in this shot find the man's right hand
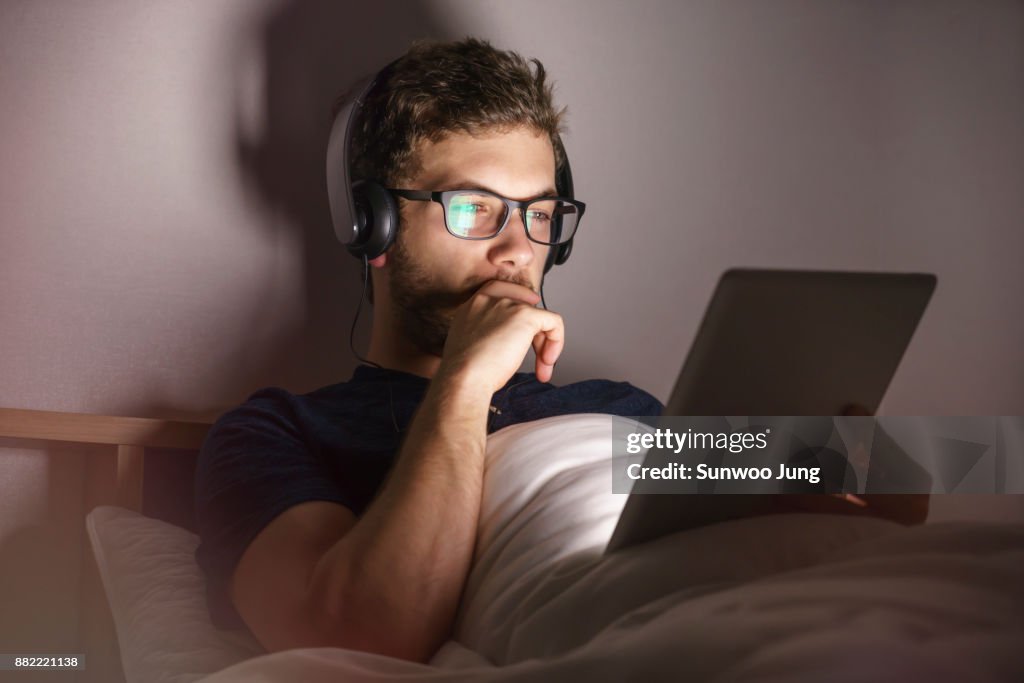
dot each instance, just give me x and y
(492, 333)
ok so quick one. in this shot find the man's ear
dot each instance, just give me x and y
(379, 261)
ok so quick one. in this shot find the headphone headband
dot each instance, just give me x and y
(339, 180)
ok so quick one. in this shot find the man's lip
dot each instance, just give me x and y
(527, 284)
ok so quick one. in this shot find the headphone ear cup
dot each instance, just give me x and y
(552, 255)
(376, 218)
(558, 255)
(564, 186)
(563, 253)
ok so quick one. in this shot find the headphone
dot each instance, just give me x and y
(372, 210)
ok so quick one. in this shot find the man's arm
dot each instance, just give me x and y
(390, 581)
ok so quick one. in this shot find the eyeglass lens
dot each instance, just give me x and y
(478, 216)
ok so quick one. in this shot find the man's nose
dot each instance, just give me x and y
(512, 246)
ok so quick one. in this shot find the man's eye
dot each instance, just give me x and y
(471, 208)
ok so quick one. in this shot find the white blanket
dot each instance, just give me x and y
(777, 598)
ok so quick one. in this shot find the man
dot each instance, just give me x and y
(346, 517)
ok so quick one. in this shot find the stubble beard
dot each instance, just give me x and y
(424, 307)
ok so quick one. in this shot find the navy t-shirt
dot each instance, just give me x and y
(336, 444)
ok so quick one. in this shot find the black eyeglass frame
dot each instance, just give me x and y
(442, 197)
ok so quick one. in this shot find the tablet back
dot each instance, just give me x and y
(785, 342)
(782, 342)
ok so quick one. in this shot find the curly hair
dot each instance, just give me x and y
(440, 88)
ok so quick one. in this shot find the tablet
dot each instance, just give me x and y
(782, 342)
(790, 342)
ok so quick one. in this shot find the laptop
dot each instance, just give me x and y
(782, 343)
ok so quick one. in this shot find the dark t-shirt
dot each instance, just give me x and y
(336, 444)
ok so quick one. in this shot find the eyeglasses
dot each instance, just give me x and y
(482, 215)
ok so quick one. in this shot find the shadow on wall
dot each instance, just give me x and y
(314, 51)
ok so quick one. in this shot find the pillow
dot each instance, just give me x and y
(546, 515)
(157, 595)
(547, 506)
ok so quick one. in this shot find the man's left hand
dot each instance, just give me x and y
(905, 508)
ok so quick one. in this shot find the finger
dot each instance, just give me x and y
(541, 369)
(548, 343)
(552, 350)
(852, 498)
(906, 508)
(835, 503)
(510, 290)
(547, 358)
(553, 329)
(538, 344)
(544, 372)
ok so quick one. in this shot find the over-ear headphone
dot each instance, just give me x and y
(371, 209)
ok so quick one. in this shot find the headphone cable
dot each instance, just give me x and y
(365, 361)
(355, 319)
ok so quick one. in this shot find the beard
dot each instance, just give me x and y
(424, 307)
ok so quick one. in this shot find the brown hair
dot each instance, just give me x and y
(441, 88)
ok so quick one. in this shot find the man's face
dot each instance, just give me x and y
(431, 272)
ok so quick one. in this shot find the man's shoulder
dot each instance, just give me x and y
(273, 401)
(358, 414)
(270, 414)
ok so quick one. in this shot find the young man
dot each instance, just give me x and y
(346, 517)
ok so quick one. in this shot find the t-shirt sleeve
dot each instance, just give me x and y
(255, 463)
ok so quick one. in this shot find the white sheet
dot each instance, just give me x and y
(787, 597)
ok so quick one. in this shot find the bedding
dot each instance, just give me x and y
(157, 598)
(796, 597)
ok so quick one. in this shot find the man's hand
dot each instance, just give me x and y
(493, 331)
(903, 508)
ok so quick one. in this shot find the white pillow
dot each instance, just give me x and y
(546, 515)
(157, 594)
(547, 506)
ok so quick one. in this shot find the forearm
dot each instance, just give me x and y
(392, 584)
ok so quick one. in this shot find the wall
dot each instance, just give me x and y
(165, 246)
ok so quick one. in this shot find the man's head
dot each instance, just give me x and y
(455, 116)
(436, 89)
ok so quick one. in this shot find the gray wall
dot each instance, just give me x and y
(165, 247)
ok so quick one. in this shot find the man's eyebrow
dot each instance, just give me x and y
(472, 185)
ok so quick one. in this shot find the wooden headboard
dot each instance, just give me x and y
(141, 464)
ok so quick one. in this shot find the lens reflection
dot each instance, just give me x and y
(473, 215)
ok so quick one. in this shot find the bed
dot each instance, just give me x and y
(797, 597)
(132, 465)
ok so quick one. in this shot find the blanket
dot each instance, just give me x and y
(796, 597)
